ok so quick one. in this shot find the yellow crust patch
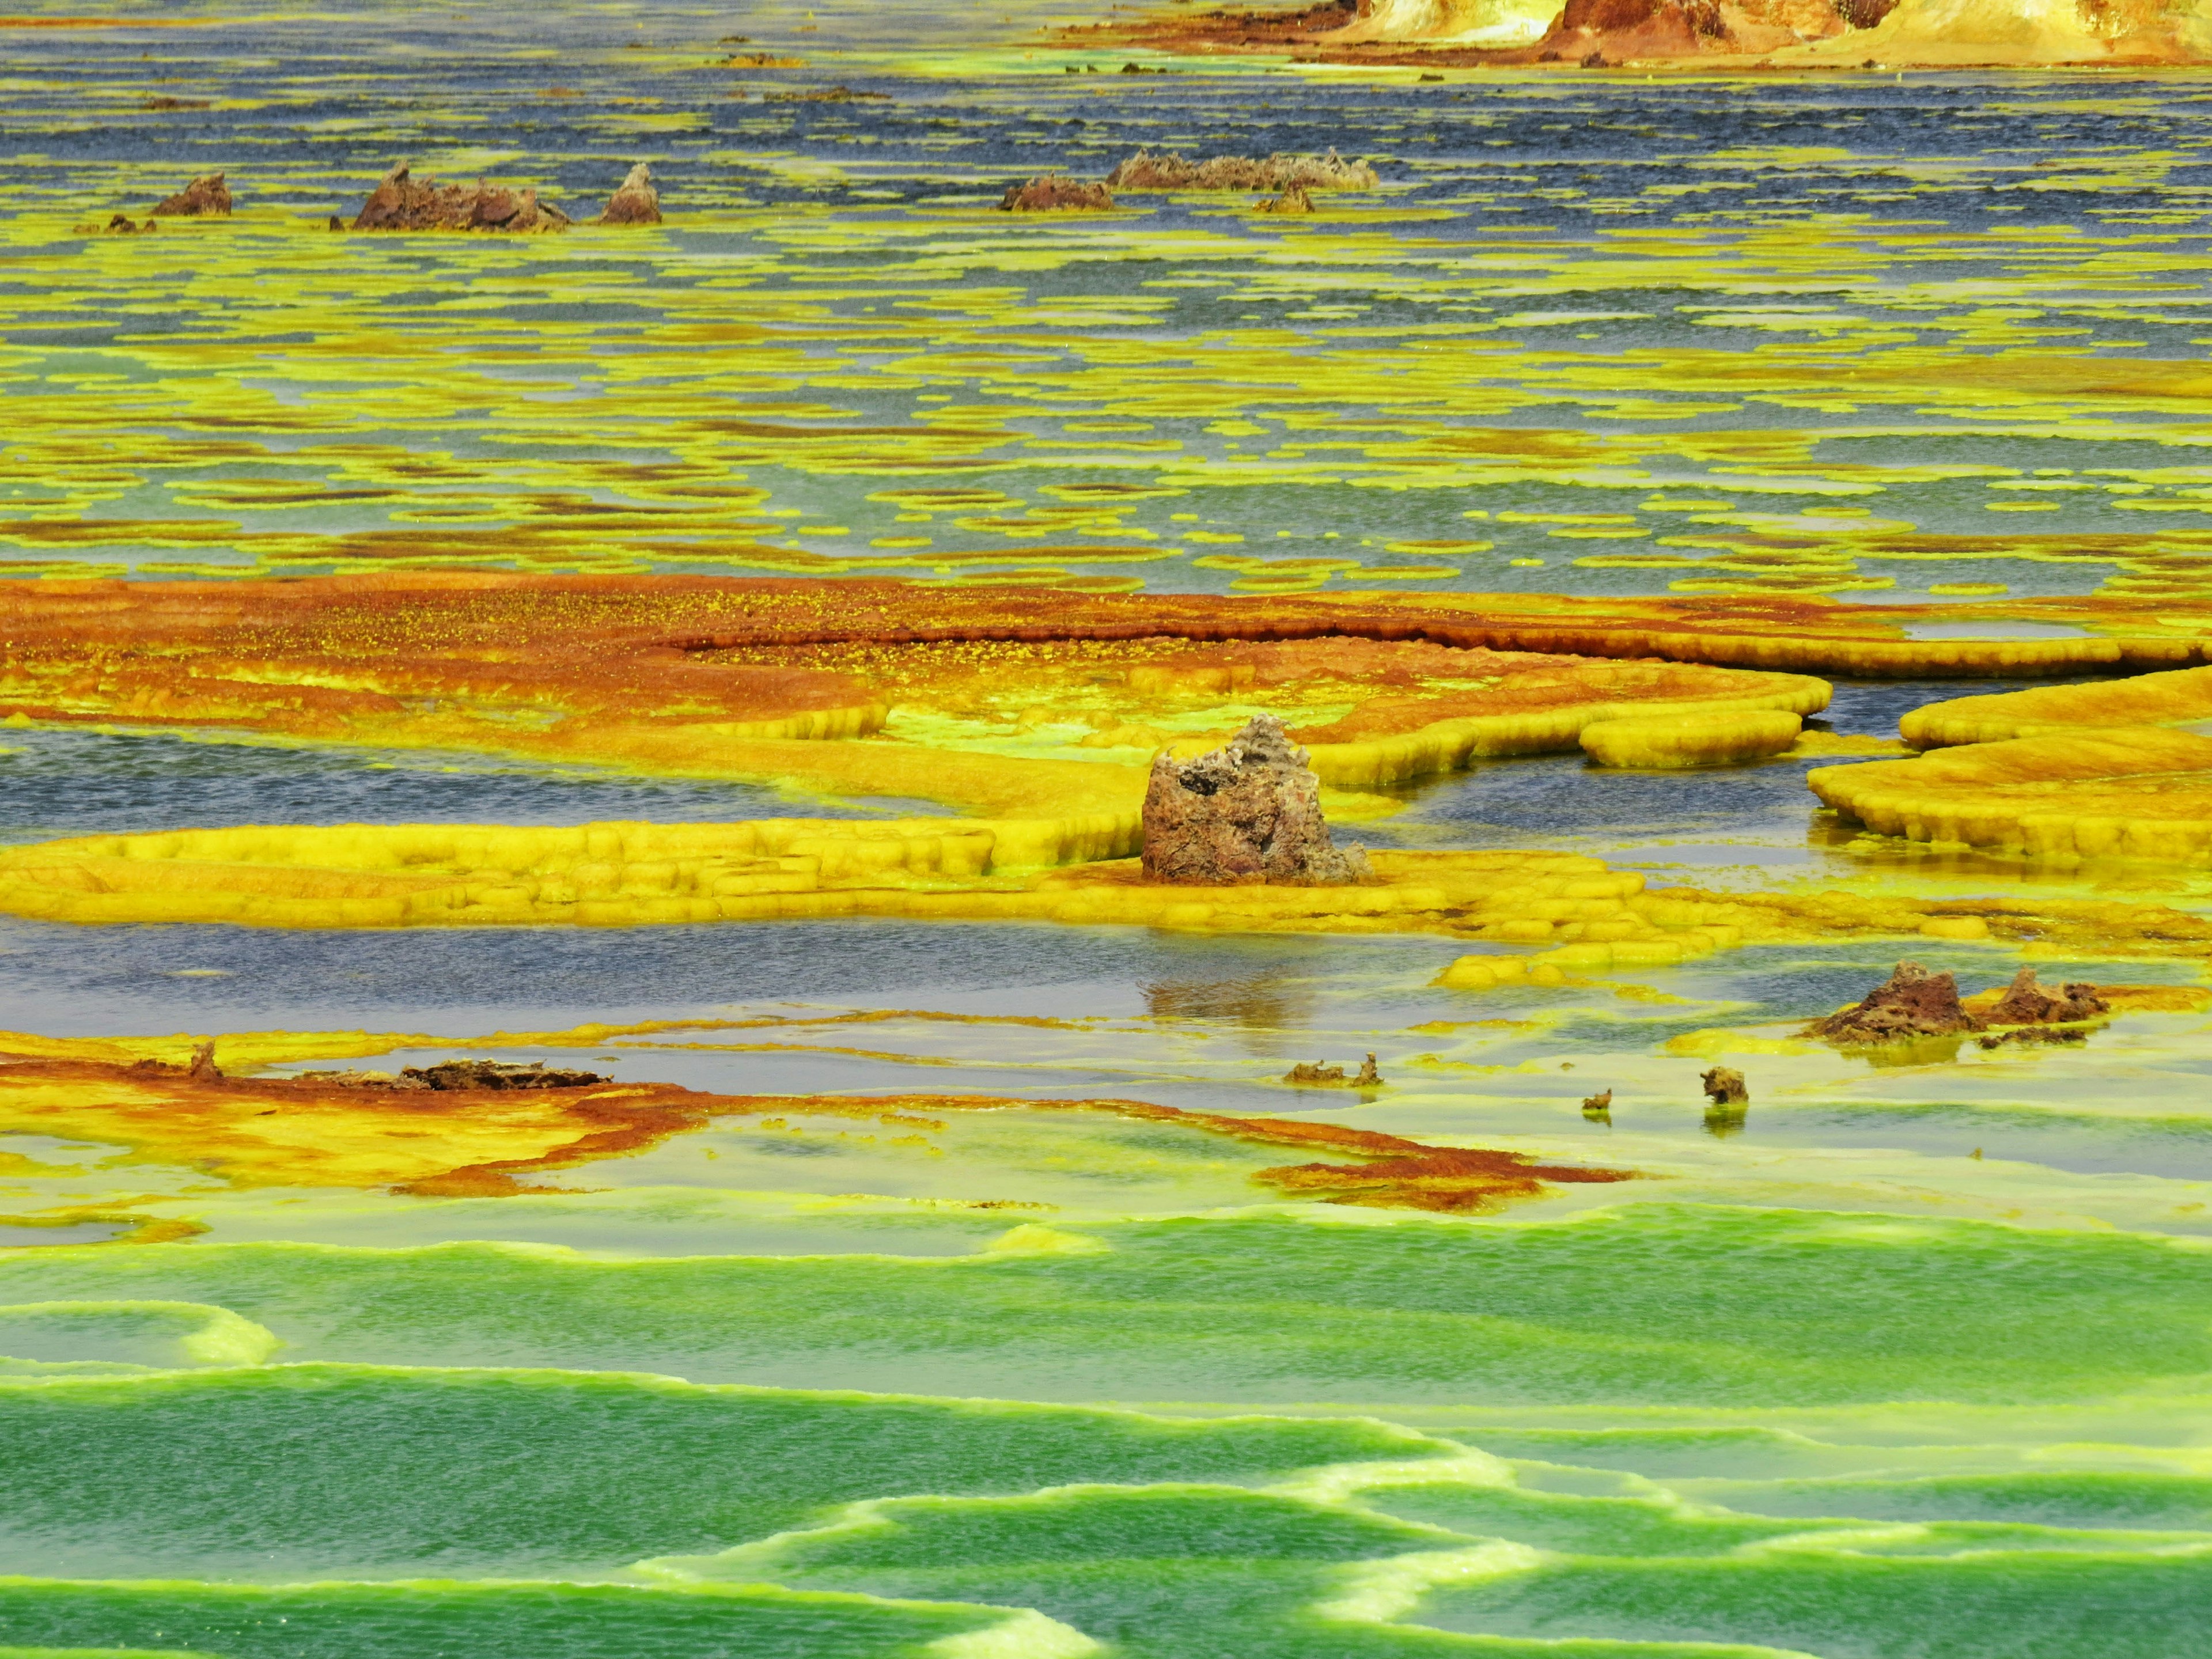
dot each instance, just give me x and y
(2169, 699)
(1684, 740)
(2143, 793)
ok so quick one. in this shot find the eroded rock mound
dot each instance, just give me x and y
(457, 1075)
(1293, 200)
(1249, 812)
(203, 197)
(1598, 32)
(1279, 172)
(1911, 1003)
(398, 203)
(1051, 192)
(636, 202)
(840, 94)
(2027, 1003)
(1724, 1086)
(1318, 1075)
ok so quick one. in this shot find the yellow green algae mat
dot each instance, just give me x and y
(589, 1065)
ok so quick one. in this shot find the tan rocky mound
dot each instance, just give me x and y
(398, 203)
(1911, 1003)
(636, 202)
(204, 197)
(1145, 171)
(1249, 812)
(1915, 1003)
(453, 1075)
(1055, 192)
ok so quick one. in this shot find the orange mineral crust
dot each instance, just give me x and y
(797, 682)
(335, 650)
(247, 1133)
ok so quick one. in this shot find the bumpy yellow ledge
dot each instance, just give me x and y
(1449, 745)
(2142, 793)
(1684, 740)
(468, 875)
(2173, 698)
(624, 874)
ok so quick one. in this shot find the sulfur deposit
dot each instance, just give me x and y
(1691, 739)
(2136, 792)
(1249, 811)
(2177, 698)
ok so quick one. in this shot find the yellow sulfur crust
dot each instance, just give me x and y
(2140, 793)
(2171, 699)
(1702, 739)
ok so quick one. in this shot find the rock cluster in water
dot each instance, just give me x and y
(1915, 1003)
(398, 203)
(453, 1075)
(1051, 192)
(1279, 172)
(1318, 1075)
(1249, 812)
(2027, 1003)
(1911, 1002)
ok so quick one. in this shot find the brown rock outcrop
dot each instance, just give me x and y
(1249, 812)
(201, 198)
(398, 203)
(454, 1075)
(2027, 1003)
(1911, 1003)
(1318, 1075)
(1724, 1086)
(1599, 32)
(1145, 171)
(636, 202)
(840, 94)
(1293, 200)
(1052, 192)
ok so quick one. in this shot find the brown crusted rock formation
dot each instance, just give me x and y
(1055, 192)
(1145, 171)
(398, 203)
(636, 202)
(1911, 1003)
(1598, 32)
(1599, 1107)
(840, 94)
(494, 1074)
(202, 1068)
(120, 224)
(455, 1075)
(1293, 200)
(2027, 1003)
(1332, 1076)
(1724, 1086)
(201, 198)
(1249, 812)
